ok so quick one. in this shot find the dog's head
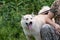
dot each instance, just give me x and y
(27, 21)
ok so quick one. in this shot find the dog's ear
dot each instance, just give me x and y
(32, 14)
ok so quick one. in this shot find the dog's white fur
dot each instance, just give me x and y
(27, 32)
(44, 8)
(37, 22)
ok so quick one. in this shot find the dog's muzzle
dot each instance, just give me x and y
(30, 23)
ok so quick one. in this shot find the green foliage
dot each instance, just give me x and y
(10, 16)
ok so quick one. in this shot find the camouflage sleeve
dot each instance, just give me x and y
(54, 7)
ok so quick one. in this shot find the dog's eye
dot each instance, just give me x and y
(26, 18)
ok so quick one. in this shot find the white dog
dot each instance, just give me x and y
(32, 24)
(26, 23)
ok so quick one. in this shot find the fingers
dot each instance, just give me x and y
(59, 28)
(58, 32)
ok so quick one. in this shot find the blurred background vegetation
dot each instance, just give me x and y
(10, 15)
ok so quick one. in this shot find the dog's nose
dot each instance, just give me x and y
(26, 23)
(30, 22)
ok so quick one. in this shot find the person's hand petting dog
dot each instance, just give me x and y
(57, 28)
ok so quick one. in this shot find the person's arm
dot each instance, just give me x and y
(49, 21)
(53, 12)
(55, 25)
(54, 9)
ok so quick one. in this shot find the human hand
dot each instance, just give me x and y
(57, 28)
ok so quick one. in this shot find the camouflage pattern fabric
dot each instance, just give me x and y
(48, 33)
